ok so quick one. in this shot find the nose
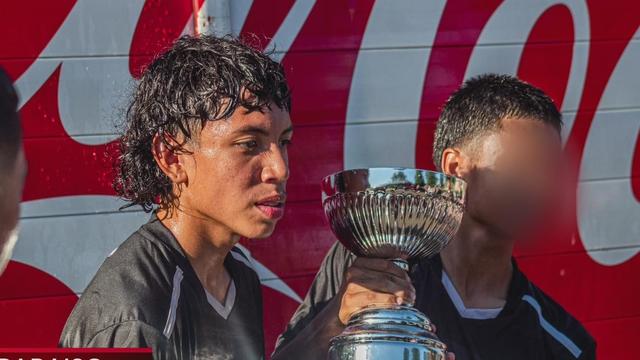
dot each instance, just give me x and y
(276, 169)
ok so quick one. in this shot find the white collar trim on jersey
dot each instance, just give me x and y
(467, 313)
(223, 310)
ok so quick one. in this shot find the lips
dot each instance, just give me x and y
(272, 207)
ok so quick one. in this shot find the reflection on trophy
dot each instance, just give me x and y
(397, 214)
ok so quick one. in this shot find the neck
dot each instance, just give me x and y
(478, 263)
(205, 244)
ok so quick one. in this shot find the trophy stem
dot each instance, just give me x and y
(401, 263)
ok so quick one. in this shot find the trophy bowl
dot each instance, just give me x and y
(397, 214)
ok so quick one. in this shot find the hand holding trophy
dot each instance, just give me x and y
(396, 214)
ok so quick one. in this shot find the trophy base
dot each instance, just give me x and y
(389, 332)
(388, 350)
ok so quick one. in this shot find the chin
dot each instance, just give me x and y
(261, 231)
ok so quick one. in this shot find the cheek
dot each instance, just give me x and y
(481, 201)
(490, 202)
(221, 182)
(479, 189)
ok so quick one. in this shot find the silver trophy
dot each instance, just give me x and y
(397, 214)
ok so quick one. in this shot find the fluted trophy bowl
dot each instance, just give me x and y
(397, 214)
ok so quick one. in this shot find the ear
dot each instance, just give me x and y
(454, 163)
(167, 158)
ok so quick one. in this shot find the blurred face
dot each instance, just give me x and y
(237, 172)
(11, 193)
(514, 175)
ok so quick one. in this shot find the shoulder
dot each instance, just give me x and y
(324, 287)
(559, 324)
(332, 270)
(337, 260)
(133, 287)
(339, 254)
(142, 266)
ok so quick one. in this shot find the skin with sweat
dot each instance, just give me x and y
(229, 182)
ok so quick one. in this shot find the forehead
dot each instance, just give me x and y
(530, 132)
(520, 138)
(274, 120)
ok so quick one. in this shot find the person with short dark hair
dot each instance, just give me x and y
(205, 150)
(13, 168)
(502, 136)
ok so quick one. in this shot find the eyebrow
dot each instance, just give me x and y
(251, 129)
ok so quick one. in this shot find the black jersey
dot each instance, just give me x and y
(530, 326)
(146, 294)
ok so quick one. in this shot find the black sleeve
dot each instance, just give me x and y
(324, 287)
(133, 334)
(126, 334)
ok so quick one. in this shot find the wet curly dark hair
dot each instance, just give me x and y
(200, 78)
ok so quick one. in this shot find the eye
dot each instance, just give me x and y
(285, 142)
(249, 144)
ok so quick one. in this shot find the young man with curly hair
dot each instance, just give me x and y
(205, 150)
(502, 136)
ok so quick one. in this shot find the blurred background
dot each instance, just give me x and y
(368, 80)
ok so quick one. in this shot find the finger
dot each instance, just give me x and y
(362, 274)
(378, 280)
(359, 300)
(451, 356)
(353, 302)
(381, 265)
(382, 283)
